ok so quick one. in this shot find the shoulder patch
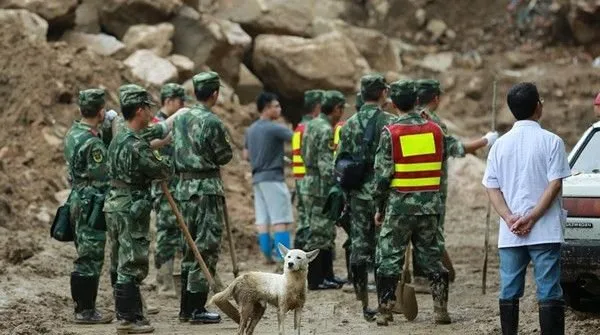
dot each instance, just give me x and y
(97, 156)
(157, 155)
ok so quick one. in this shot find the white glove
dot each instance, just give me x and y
(110, 115)
(491, 138)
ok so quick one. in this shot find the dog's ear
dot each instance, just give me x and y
(282, 250)
(311, 255)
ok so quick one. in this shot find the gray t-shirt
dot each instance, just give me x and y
(264, 142)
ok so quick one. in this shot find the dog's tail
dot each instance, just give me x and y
(225, 294)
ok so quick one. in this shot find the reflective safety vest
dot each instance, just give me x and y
(417, 151)
(298, 168)
(336, 135)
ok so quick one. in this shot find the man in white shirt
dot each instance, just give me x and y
(523, 178)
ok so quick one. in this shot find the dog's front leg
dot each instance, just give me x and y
(297, 320)
(280, 320)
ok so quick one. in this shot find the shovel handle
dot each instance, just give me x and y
(188, 237)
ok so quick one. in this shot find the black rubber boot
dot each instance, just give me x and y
(439, 293)
(348, 269)
(84, 290)
(509, 316)
(552, 317)
(328, 269)
(386, 296)
(360, 283)
(185, 310)
(200, 315)
(113, 279)
(316, 274)
(128, 303)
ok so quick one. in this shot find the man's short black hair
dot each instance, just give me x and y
(162, 100)
(329, 108)
(426, 97)
(264, 99)
(204, 93)
(404, 102)
(371, 95)
(522, 100)
(129, 111)
(89, 111)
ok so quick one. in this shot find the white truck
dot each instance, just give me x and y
(580, 277)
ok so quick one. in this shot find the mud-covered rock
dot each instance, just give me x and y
(156, 38)
(117, 16)
(60, 14)
(101, 44)
(184, 65)
(147, 66)
(27, 23)
(207, 40)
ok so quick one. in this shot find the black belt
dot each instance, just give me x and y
(200, 174)
(123, 185)
(265, 170)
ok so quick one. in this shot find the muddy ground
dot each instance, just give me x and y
(35, 298)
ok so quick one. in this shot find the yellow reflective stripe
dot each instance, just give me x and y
(296, 140)
(415, 167)
(415, 182)
(417, 144)
(297, 159)
(336, 136)
(299, 170)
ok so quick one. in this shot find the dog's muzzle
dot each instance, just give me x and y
(290, 265)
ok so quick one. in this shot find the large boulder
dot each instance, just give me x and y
(102, 44)
(147, 66)
(249, 86)
(377, 49)
(118, 15)
(279, 17)
(207, 40)
(294, 64)
(156, 38)
(584, 19)
(87, 17)
(184, 65)
(60, 14)
(28, 23)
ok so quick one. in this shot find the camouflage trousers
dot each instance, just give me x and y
(168, 235)
(89, 242)
(129, 234)
(204, 218)
(362, 231)
(322, 229)
(302, 227)
(440, 238)
(397, 231)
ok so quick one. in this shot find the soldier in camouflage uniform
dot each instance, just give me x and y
(85, 154)
(312, 106)
(201, 146)
(428, 97)
(132, 165)
(168, 235)
(374, 93)
(317, 152)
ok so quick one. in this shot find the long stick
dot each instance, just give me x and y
(189, 239)
(234, 263)
(489, 209)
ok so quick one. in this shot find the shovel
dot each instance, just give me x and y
(406, 299)
(226, 306)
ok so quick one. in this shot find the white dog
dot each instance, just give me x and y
(254, 290)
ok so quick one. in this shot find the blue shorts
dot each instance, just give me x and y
(546, 270)
(272, 203)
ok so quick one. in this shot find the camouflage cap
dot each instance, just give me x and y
(372, 82)
(428, 86)
(133, 95)
(312, 97)
(208, 79)
(333, 98)
(402, 88)
(93, 97)
(172, 90)
(359, 101)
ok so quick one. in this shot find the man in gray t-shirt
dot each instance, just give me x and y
(263, 147)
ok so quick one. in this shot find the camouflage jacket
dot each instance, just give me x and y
(166, 152)
(435, 118)
(156, 131)
(201, 145)
(417, 203)
(88, 166)
(351, 138)
(317, 152)
(133, 162)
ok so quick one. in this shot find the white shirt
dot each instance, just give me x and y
(521, 164)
